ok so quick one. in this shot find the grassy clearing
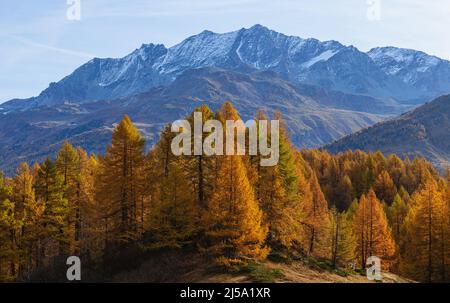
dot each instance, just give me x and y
(327, 266)
(259, 273)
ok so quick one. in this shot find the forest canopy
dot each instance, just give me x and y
(341, 208)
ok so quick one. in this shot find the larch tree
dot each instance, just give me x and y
(385, 188)
(404, 195)
(396, 169)
(68, 166)
(50, 189)
(316, 221)
(120, 182)
(282, 189)
(332, 182)
(228, 113)
(272, 200)
(373, 235)
(29, 211)
(234, 220)
(425, 237)
(352, 209)
(396, 215)
(279, 208)
(344, 193)
(287, 159)
(172, 219)
(200, 166)
(8, 228)
(343, 240)
(174, 209)
(255, 160)
(89, 211)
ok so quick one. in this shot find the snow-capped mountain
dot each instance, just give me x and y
(418, 69)
(382, 73)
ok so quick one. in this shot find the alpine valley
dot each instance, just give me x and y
(325, 91)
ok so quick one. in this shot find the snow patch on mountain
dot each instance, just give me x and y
(201, 50)
(395, 59)
(429, 74)
(322, 57)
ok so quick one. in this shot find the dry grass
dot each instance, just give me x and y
(178, 267)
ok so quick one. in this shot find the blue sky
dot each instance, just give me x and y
(39, 45)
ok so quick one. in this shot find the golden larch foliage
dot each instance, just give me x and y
(373, 235)
(234, 220)
(119, 183)
(426, 235)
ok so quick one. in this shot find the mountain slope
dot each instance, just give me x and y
(426, 73)
(33, 134)
(330, 65)
(195, 270)
(423, 131)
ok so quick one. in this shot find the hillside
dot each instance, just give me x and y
(267, 271)
(421, 132)
(36, 133)
(186, 266)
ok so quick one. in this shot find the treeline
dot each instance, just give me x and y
(340, 208)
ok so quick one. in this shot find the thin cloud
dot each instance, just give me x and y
(53, 48)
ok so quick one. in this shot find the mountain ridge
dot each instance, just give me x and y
(327, 64)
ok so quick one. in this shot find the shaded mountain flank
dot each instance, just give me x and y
(424, 131)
